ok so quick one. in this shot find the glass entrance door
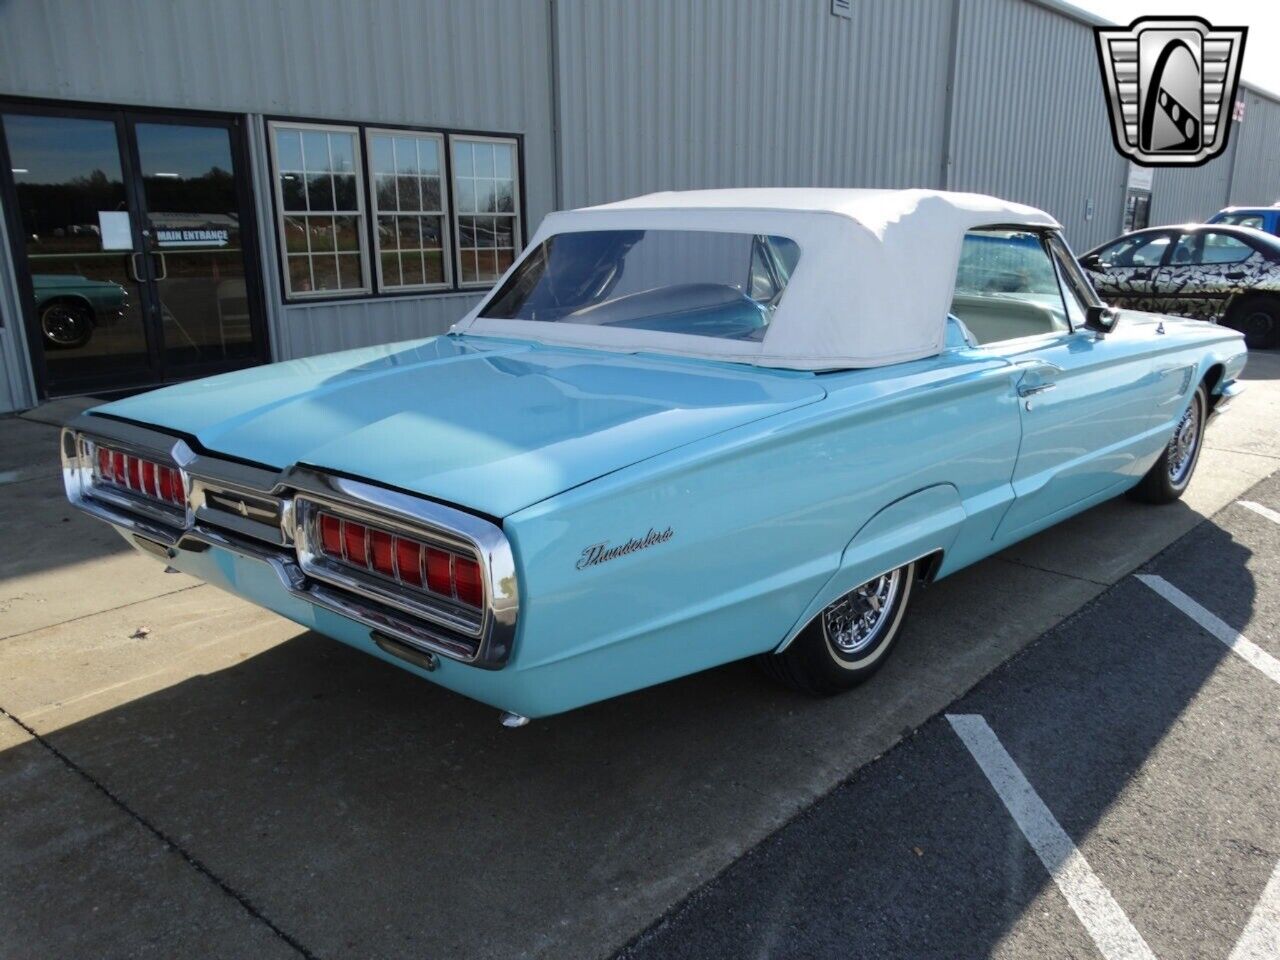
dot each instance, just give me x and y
(134, 241)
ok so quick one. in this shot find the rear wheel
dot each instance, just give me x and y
(66, 324)
(1258, 318)
(849, 640)
(1168, 478)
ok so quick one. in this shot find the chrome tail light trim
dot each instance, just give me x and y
(481, 637)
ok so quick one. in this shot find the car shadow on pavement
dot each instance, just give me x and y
(365, 810)
(915, 857)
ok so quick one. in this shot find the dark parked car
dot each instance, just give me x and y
(69, 308)
(1226, 274)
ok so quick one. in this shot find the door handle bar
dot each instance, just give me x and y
(133, 266)
(1031, 389)
(164, 267)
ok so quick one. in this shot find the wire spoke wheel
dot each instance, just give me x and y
(1184, 444)
(854, 623)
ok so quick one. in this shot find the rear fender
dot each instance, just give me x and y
(925, 522)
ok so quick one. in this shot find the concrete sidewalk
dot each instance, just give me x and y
(182, 772)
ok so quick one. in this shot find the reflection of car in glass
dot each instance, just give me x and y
(1266, 219)
(70, 308)
(1222, 273)
(681, 430)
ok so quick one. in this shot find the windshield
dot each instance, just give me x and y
(697, 282)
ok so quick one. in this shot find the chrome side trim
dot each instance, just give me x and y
(285, 547)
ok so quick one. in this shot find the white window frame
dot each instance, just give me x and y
(446, 217)
(361, 212)
(517, 219)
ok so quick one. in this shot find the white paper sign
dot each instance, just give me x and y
(116, 234)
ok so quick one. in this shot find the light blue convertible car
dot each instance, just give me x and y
(682, 430)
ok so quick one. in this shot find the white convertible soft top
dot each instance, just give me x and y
(873, 284)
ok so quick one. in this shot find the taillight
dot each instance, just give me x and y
(147, 478)
(403, 560)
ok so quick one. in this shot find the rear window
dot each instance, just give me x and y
(1240, 219)
(696, 282)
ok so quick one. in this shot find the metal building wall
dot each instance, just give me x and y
(1029, 121)
(672, 94)
(1256, 179)
(431, 62)
(1195, 194)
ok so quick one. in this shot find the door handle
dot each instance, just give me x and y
(1031, 389)
(133, 266)
(164, 267)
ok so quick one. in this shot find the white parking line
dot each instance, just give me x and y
(1237, 642)
(1092, 902)
(1261, 937)
(1261, 510)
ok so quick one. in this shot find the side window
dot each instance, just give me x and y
(1007, 286)
(1076, 294)
(1144, 251)
(1187, 249)
(1224, 248)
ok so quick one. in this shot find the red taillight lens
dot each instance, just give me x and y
(409, 561)
(331, 535)
(466, 581)
(439, 576)
(383, 558)
(404, 560)
(140, 475)
(353, 539)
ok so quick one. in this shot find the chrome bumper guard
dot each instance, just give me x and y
(253, 512)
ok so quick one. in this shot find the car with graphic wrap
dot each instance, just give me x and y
(681, 430)
(1226, 274)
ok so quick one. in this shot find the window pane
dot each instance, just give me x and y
(344, 191)
(407, 187)
(390, 270)
(406, 155)
(1220, 248)
(315, 151)
(431, 193)
(387, 235)
(342, 149)
(321, 234)
(347, 233)
(409, 236)
(434, 266)
(386, 192)
(350, 273)
(411, 268)
(1007, 287)
(380, 148)
(504, 160)
(506, 198)
(291, 189)
(432, 232)
(466, 231)
(300, 274)
(464, 165)
(468, 266)
(486, 196)
(465, 198)
(288, 150)
(678, 281)
(428, 155)
(505, 258)
(295, 234)
(484, 159)
(505, 231)
(324, 271)
(320, 192)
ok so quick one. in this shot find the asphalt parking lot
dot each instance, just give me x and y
(181, 773)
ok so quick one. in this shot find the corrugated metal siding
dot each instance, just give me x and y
(1194, 195)
(480, 64)
(1257, 172)
(719, 93)
(1030, 122)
